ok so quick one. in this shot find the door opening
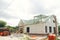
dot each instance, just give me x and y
(28, 29)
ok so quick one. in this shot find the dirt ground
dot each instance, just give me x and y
(19, 37)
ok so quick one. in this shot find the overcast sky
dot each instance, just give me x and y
(12, 11)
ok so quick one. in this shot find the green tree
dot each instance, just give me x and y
(2, 23)
(11, 28)
(59, 29)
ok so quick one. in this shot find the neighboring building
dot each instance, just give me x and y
(41, 24)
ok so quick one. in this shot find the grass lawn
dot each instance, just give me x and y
(58, 39)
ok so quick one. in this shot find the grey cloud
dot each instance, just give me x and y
(4, 6)
(5, 15)
(39, 8)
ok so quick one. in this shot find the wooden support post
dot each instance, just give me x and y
(56, 28)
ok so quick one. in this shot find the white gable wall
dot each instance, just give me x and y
(50, 23)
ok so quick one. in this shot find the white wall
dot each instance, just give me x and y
(36, 28)
(40, 28)
(50, 23)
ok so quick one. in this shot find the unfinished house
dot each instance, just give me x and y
(39, 25)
